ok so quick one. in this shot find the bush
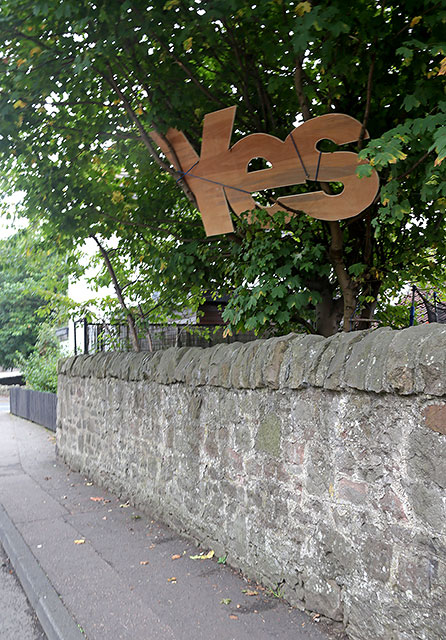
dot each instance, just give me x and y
(40, 367)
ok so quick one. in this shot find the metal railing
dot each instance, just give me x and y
(115, 337)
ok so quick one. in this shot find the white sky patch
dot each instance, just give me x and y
(9, 226)
(80, 290)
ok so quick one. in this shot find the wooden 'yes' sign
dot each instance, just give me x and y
(220, 180)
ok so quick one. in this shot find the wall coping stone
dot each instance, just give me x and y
(381, 360)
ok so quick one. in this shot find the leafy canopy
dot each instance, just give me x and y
(82, 84)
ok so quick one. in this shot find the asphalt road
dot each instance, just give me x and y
(17, 620)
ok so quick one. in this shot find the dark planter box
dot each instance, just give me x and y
(37, 406)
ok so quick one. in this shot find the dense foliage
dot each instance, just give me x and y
(33, 286)
(39, 368)
(82, 83)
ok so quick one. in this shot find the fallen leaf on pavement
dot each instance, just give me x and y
(96, 499)
(80, 541)
(144, 562)
(248, 592)
(233, 617)
(176, 556)
(203, 556)
(225, 601)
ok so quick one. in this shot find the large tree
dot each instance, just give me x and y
(84, 83)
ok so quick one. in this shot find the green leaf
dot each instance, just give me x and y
(364, 170)
(411, 102)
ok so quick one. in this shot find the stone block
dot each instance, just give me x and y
(434, 416)
(138, 365)
(269, 434)
(391, 504)
(149, 367)
(324, 596)
(319, 471)
(201, 373)
(223, 375)
(365, 366)
(97, 365)
(364, 620)
(64, 365)
(183, 365)
(340, 551)
(257, 364)
(377, 556)
(301, 351)
(335, 357)
(429, 505)
(431, 362)
(217, 358)
(275, 350)
(402, 358)
(173, 363)
(416, 574)
(314, 371)
(427, 455)
(241, 369)
(77, 366)
(352, 491)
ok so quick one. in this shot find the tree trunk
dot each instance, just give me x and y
(149, 340)
(329, 314)
(348, 288)
(133, 332)
(368, 308)
(366, 315)
(130, 319)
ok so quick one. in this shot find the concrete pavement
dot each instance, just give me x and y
(118, 573)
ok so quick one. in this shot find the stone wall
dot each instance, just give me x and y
(318, 465)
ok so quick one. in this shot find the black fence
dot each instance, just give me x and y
(93, 337)
(37, 406)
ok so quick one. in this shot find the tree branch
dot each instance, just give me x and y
(414, 166)
(367, 103)
(144, 136)
(118, 290)
(298, 84)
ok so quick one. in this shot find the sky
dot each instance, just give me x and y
(9, 226)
